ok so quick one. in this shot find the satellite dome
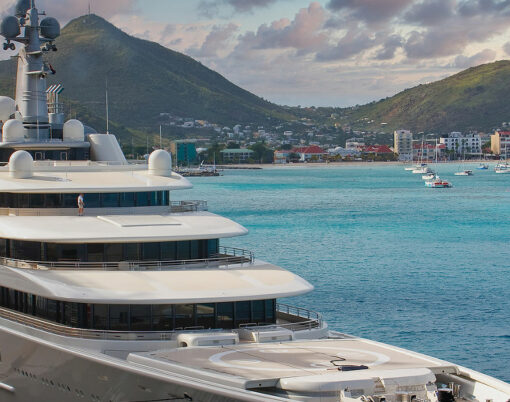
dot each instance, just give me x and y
(21, 165)
(13, 131)
(22, 6)
(7, 108)
(50, 28)
(74, 131)
(160, 163)
(10, 27)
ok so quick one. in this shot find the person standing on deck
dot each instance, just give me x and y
(81, 204)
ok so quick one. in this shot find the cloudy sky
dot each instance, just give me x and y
(326, 52)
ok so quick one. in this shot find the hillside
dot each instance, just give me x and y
(144, 80)
(474, 99)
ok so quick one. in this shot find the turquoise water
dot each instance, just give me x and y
(424, 269)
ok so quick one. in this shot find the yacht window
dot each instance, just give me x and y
(69, 252)
(70, 201)
(184, 315)
(132, 252)
(142, 199)
(36, 200)
(92, 200)
(225, 315)
(110, 200)
(53, 201)
(243, 312)
(150, 251)
(168, 251)
(140, 318)
(213, 246)
(183, 252)
(194, 250)
(127, 199)
(258, 311)
(113, 252)
(205, 315)
(100, 316)
(270, 308)
(162, 317)
(119, 317)
(23, 200)
(52, 306)
(40, 306)
(95, 252)
(153, 198)
(51, 252)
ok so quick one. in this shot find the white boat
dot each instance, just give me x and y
(483, 166)
(422, 170)
(417, 166)
(137, 300)
(437, 182)
(464, 173)
(502, 168)
(428, 176)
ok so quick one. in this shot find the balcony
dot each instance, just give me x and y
(174, 207)
(226, 257)
(301, 319)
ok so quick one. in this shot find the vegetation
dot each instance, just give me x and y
(474, 99)
(144, 79)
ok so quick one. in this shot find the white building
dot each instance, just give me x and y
(463, 144)
(403, 144)
(355, 143)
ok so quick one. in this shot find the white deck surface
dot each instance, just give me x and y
(298, 365)
(253, 282)
(92, 180)
(119, 228)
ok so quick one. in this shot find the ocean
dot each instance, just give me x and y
(393, 261)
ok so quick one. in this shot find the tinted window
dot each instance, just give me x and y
(70, 200)
(183, 252)
(100, 316)
(119, 317)
(225, 315)
(168, 251)
(150, 251)
(53, 201)
(205, 315)
(110, 200)
(243, 311)
(140, 318)
(184, 316)
(92, 200)
(258, 310)
(37, 201)
(162, 317)
(142, 199)
(113, 252)
(132, 252)
(95, 252)
(127, 200)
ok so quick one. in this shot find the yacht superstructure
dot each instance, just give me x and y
(139, 300)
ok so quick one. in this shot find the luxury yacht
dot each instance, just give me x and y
(138, 299)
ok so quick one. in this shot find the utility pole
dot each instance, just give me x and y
(160, 142)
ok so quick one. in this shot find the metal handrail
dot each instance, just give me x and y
(60, 329)
(227, 256)
(174, 207)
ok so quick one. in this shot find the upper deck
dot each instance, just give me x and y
(90, 177)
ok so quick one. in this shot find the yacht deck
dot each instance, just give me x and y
(298, 365)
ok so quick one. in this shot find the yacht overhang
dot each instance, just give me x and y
(236, 283)
(119, 228)
(94, 179)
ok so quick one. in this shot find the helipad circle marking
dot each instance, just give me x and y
(218, 358)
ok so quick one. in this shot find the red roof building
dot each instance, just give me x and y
(378, 150)
(310, 153)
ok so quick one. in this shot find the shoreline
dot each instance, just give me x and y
(244, 166)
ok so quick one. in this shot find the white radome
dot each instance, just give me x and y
(13, 131)
(21, 165)
(74, 131)
(7, 108)
(160, 163)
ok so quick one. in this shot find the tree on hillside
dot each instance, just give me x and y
(214, 153)
(262, 153)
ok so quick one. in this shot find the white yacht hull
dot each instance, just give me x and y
(35, 370)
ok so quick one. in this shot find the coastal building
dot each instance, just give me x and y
(463, 144)
(355, 143)
(403, 144)
(500, 143)
(378, 150)
(311, 153)
(184, 151)
(236, 155)
(339, 151)
(281, 156)
(427, 152)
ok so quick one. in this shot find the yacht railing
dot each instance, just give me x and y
(301, 323)
(227, 256)
(174, 207)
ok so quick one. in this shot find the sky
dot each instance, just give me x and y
(314, 53)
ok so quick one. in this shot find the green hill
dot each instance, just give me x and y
(474, 99)
(144, 80)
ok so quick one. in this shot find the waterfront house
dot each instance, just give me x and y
(236, 155)
(312, 153)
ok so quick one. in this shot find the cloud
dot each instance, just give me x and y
(304, 33)
(430, 12)
(371, 10)
(215, 41)
(469, 8)
(352, 43)
(485, 56)
(389, 47)
(212, 7)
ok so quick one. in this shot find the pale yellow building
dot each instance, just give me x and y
(500, 143)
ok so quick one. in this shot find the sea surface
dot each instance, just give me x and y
(424, 269)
